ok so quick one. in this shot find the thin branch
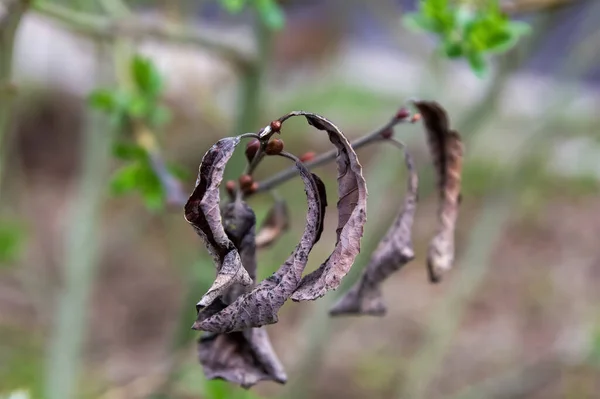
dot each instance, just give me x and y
(112, 28)
(516, 7)
(329, 156)
(11, 12)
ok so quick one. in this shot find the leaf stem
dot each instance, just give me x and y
(326, 157)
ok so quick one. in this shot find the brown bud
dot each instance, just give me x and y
(251, 188)
(307, 156)
(251, 149)
(230, 187)
(274, 146)
(276, 126)
(415, 118)
(402, 113)
(245, 182)
(387, 133)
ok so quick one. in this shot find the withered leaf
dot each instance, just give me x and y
(447, 151)
(260, 306)
(275, 224)
(244, 357)
(352, 215)
(393, 252)
(203, 213)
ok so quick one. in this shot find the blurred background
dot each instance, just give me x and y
(97, 290)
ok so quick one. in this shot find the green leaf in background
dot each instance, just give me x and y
(138, 107)
(453, 49)
(128, 151)
(12, 238)
(139, 176)
(179, 172)
(103, 100)
(416, 22)
(233, 6)
(125, 179)
(477, 63)
(145, 75)
(270, 13)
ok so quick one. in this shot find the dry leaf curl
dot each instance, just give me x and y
(394, 251)
(260, 306)
(447, 151)
(352, 214)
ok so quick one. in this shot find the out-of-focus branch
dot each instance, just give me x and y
(514, 7)
(132, 27)
(11, 12)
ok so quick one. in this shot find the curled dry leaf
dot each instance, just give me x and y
(447, 151)
(394, 251)
(352, 215)
(203, 213)
(244, 357)
(275, 224)
(260, 306)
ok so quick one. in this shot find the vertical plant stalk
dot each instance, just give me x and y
(11, 12)
(81, 262)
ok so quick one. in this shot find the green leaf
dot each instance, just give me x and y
(416, 22)
(125, 179)
(103, 100)
(146, 77)
(12, 238)
(477, 63)
(233, 6)
(128, 151)
(518, 28)
(138, 107)
(271, 14)
(453, 49)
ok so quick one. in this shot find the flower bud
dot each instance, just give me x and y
(307, 156)
(402, 113)
(274, 146)
(251, 149)
(245, 182)
(275, 126)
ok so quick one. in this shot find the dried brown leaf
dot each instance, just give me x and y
(260, 306)
(352, 215)
(393, 252)
(447, 151)
(203, 213)
(275, 224)
(243, 357)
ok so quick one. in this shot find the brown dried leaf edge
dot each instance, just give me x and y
(203, 213)
(352, 214)
(394, 251)
(447, 151)
(260, 306)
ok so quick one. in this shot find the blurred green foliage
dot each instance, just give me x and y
(467, 31)
(269, 11)
(12, 238)
(138, 107)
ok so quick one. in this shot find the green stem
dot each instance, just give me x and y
(9, 22)
(81, 262)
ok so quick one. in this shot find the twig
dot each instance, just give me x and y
(515, 7)
(11, 12)
(112, 28)
(81, 261)
(328, 156)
